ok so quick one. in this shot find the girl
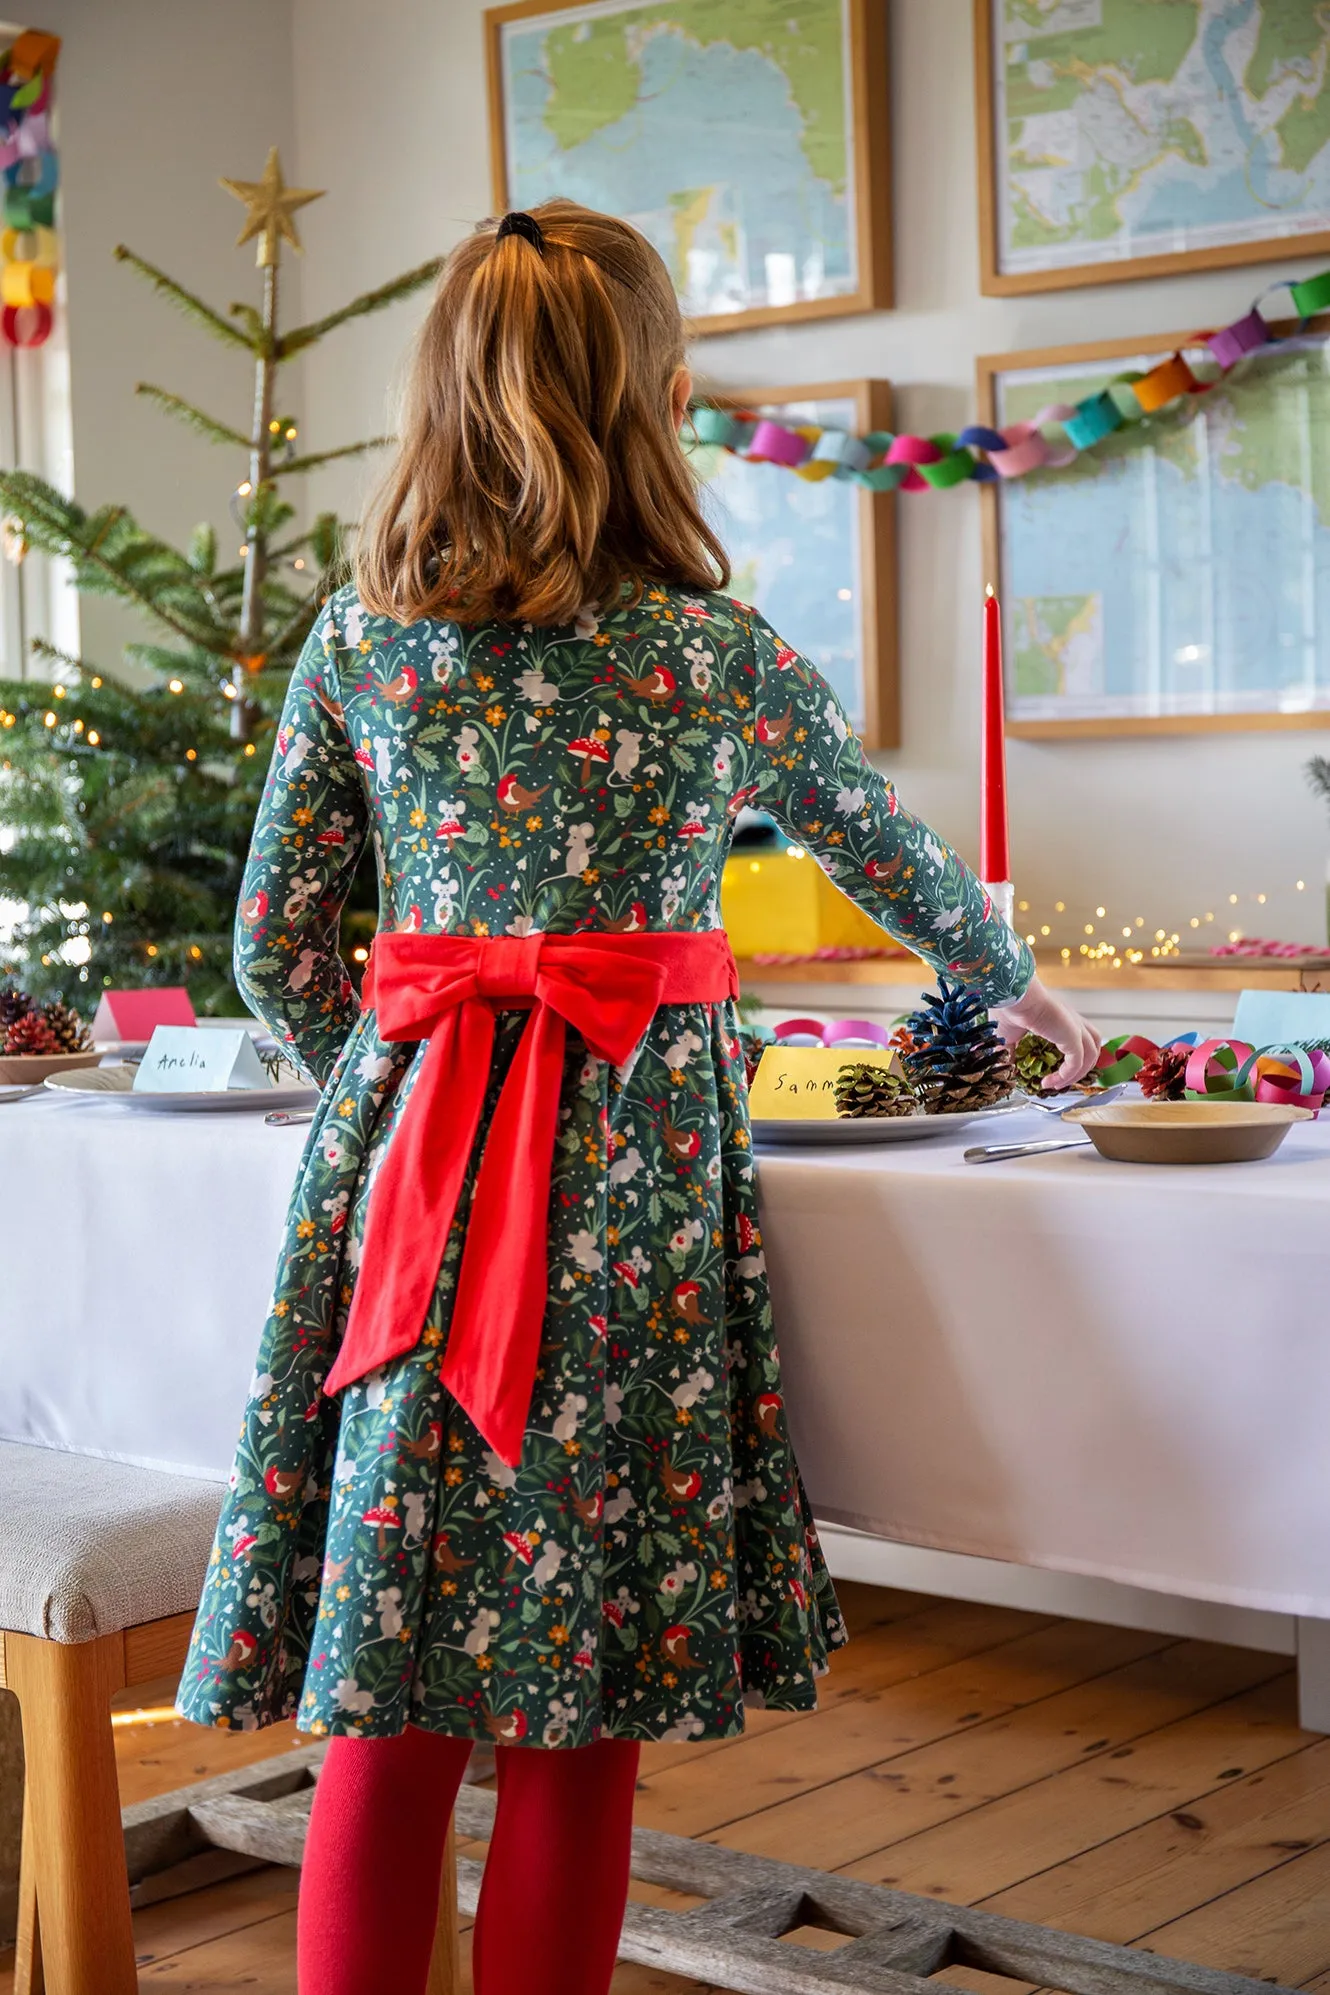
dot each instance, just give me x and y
(516, 1463)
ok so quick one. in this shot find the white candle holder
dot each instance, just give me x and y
(1003, 896)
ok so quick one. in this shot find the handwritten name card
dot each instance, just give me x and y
(184, 1059)
(798, 1083)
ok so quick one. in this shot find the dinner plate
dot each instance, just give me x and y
(850, 1131)
(116, 1085)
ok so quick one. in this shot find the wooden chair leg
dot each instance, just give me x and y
(78, 1851)
(445, 1971)
(28, 1976)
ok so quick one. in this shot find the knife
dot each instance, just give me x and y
(994, 1153)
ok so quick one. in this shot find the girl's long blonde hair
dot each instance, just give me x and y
(539, 471)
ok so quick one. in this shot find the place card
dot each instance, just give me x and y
(798, 1083)
(184, 1059)
(133, 1015)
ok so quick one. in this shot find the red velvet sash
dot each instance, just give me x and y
(447, 988)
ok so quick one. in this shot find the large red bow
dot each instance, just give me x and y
(447, 988)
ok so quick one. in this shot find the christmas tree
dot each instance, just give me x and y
(128, 808)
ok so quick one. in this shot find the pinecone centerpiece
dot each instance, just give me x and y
(958, 1062)
(1035, 1057)
(70, 1033)
(29, 1030)
(30, 1034)
(863, 1088)
(1164, 1074)
(14, 1004)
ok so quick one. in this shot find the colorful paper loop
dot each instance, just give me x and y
(842, 1032)
(1244, 336)
(1215, 1066)
(29, 251)
(1121, 1059)
(26, 325)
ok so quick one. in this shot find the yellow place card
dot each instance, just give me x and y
(798, 1083)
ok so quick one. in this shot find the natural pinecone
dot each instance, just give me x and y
(31, 1034)
(14, 1004)
(1164, 1075)
(71, 1034)
(958, 1061)
(753, 1043)
(1036, 1057)
(865, 1089)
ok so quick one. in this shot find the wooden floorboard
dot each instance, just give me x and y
(1127, 1785)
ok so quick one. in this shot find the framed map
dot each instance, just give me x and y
(747, 139)
(1130, 138)
(1175, 577)
(817, 558)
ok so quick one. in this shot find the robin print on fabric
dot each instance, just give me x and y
(649, 1566)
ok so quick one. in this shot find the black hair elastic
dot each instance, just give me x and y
(526, 226)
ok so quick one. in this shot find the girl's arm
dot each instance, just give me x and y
(307, 839)
(821, 787)
(817, 782)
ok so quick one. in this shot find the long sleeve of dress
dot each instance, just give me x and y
(821, 787)
(307, 838)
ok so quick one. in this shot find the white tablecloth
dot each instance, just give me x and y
(137, 1254)
(1108, 1369)
(1097, 1368)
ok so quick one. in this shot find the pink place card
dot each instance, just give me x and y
(135, 1015)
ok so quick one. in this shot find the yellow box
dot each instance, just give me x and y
(782, 903)
(798, 1083)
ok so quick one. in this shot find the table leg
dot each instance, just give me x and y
(445, 1975)
(1313, 1674)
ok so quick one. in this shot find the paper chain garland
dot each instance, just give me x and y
(1298, 1076)
(29, 250)
(1057, 436)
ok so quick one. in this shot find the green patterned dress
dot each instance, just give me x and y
(651, 1566)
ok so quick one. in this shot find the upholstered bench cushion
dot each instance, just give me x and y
(88, 1547)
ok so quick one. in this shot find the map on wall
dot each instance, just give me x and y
(720, 128)
(1182, 567)
(1132, 128)
(795, 550)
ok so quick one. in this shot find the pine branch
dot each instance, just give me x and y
(369, 301)
(197, 419)
(251, 320)
(1317, 772)
(317, 458)
(42, 648)
(193, 307)
(113, 554)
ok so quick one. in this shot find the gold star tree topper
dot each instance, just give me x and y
(271, 204)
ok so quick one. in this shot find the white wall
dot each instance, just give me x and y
(394, 121)
(156, 102)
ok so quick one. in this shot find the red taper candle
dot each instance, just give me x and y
(994, 845)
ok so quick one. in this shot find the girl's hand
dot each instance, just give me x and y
(1039, 1011)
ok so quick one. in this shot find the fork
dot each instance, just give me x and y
(1057, 1105)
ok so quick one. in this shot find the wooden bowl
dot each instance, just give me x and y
(20, 1070)
(1186, 1132)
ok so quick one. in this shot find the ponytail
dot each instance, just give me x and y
(539, 472)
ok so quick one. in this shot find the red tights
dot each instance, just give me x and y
(555, 1884)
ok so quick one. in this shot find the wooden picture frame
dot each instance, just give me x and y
(994, 281)
(868, 139)
(875, 514)
(990, 369)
